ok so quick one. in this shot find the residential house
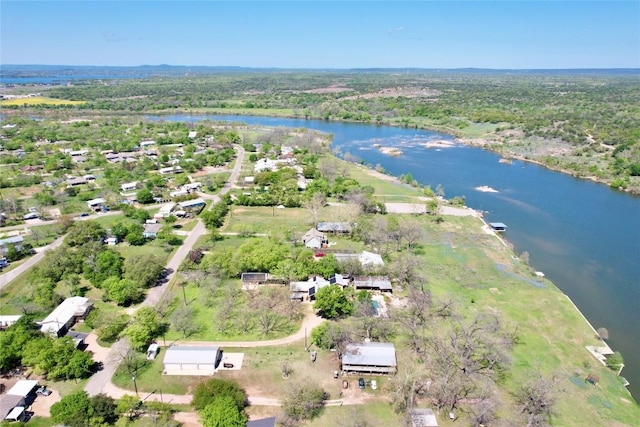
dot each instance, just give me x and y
(369, 259)
(372, 283)
(314, 239)
(73, 181)
(144, 144)
(340, 280)
(306, 291)
(170, 169)
(265, 164)
(8, 320)
(165, 210)
(254, 279)
(192, 204)
(192, 186)
(66, 315)
(370, 358)
(191, 360)
(192, 134)
(151, 230)
(96, 204)
(334, 227)
(12, 241)
(129, 186)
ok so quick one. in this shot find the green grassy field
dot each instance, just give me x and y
(37, 100)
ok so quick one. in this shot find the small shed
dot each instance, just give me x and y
(191, 360)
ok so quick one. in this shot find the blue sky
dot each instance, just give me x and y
(323, 34)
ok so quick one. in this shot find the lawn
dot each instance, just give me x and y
(205, 318)
(149, 379)
(269, 220)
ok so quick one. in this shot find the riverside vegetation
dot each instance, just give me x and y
(477, 333)
(582, 122)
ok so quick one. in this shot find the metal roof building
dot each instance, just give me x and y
(23, 388)
(370, 358)
(65, 315)
(191, 360)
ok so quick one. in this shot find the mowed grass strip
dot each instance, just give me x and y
(40, 100)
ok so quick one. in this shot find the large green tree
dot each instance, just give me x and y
(144, 269)
(145, 327)
(333, 302)
(73, 410)
(208, 391)
(223, 412)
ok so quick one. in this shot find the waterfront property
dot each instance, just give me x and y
(498, 226)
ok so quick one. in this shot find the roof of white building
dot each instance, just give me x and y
(191, 354)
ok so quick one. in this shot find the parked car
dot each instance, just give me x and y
(43, 391)
(83, 214)
(361, 383)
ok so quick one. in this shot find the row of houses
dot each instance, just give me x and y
(306, 290)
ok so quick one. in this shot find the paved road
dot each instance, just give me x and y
(9, 276)
(101, 381)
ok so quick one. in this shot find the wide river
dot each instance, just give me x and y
(584, 236)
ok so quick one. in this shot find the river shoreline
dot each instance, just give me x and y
(477, 142)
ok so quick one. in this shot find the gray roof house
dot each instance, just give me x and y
(151, 230)
(334, 227)
(314, 239)
(191, 360)
(372, 283)
(306, 290)
(370, 358)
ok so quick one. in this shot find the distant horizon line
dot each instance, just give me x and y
(317, 68)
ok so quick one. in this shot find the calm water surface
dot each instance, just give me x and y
(584, 236)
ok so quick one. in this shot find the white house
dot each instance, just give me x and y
(191, 360)
(146, 143)
(165, 210)
(96, 203)
(170, 170)
(192, 204)
(369, 259)
(129, 186)
(178, 193)
(65, 315)
(306, 291)
(8, 320)
(265, 165)
(192, 134)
